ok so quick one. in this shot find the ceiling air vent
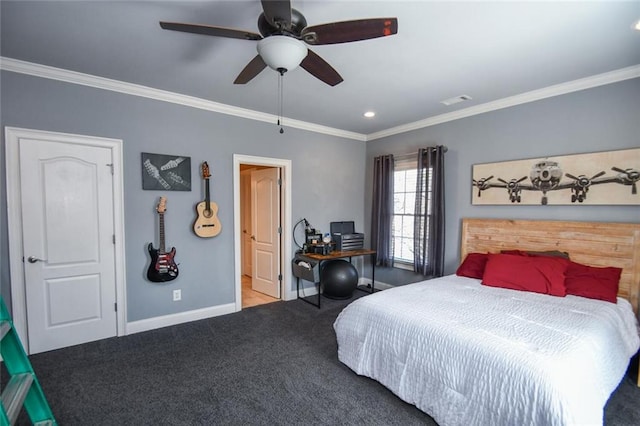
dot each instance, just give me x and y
(456, 99)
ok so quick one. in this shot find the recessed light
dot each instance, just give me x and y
(637, 25)
(456, 99)
(369, 114)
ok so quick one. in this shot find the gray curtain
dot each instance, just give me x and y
(429, 223)
(382, 209)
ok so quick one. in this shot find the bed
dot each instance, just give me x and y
(471, 354)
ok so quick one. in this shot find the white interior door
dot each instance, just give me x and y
(265, 218)
(68, 243)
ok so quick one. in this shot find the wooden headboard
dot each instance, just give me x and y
(589, 243)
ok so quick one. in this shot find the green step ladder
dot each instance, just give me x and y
(23, 388)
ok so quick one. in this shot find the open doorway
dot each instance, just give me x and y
(252, 192)
(262, 218)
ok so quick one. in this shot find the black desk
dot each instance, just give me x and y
(339, 255)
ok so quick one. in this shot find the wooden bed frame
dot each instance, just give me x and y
(590, 243)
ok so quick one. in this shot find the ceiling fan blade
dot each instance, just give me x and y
(252, 69)
(210, 31)
(320, 69)
(277, 12)
(348, 31)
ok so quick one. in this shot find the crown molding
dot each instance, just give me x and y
(523, 98)
(44, 71)
(67, 76)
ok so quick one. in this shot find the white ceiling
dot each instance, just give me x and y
(487, 50)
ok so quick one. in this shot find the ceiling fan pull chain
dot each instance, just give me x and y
(280, 101)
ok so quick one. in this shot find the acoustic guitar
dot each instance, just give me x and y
(207, 223)
(163, 266)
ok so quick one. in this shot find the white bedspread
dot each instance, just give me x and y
(468, 354)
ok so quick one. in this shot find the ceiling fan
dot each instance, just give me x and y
(282, 38)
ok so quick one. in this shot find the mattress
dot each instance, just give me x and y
(469, 354)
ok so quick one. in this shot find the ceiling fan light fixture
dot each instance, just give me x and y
(282, 52)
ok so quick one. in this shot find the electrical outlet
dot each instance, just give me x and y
(177, 295)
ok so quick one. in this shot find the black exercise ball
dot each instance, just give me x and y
(338, 278)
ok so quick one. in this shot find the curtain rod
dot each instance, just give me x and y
(413, 154)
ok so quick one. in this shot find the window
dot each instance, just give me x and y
(404, 216)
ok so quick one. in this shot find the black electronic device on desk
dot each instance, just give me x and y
(319, 248)
(312, 236)
(345, 237)
(316, 243)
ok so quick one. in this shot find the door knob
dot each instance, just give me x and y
(33, 259)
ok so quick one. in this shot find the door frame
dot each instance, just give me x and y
(285, 175)
(245, 176)
(13, 135)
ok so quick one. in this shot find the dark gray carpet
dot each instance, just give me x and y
(268, 365)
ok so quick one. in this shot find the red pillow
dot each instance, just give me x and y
(473, 265)
(538, 274)
(592, 282)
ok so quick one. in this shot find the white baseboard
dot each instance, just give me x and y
(290, 295)
(306, 292)
(377, 285)
(179, 318)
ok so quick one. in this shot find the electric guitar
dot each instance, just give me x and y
(163, 266)
(207, 223)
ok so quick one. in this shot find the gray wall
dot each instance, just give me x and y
(600, 119)
(206, 271)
